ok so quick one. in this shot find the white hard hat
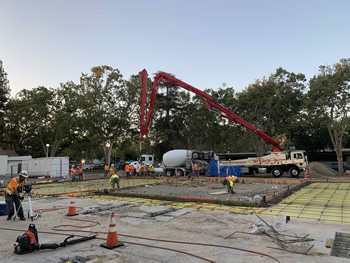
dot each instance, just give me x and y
(24, 173)
(112, 165)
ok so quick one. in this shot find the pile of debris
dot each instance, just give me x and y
(290, 243)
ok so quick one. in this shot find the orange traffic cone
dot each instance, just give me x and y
(71, 210)
(112, 237)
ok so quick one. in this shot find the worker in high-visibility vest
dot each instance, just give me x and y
(127, 170)
(151, 168)
(12, 195)
(148, 170)
(106, 170)
(114, 179)
(229, 182)
(132, 170)
(112, 170)
(72, 172)
(81, 172)
(196, 169)
(139, 170)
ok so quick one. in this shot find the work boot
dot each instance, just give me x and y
(22, 218)
(9, 218)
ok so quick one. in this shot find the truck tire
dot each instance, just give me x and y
(294, 172)
(169, 172)
(180, 172)
(276, 171)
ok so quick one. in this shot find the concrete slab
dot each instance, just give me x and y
(190, 225)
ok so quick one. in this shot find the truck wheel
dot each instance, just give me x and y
(180, 172)
(294, 172)
(276, 172)
(195, 156)
(169, 172)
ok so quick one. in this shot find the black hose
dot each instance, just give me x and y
(37, 246)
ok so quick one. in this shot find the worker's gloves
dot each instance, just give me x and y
(21, 198)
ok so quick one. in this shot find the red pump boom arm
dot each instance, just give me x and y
(162, 76)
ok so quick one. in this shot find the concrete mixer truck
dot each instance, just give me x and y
(181, 162)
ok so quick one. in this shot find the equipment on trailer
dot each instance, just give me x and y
(29, 241)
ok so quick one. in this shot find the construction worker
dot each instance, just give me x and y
(229, 182)
(81, 172)
(112, 170)
(12, 195)
(72, 173)
(196, 169)
(139, 170)
(106, 170)
(151, 168)
(148, 170)
(132, 170)
(127, 170)
(114, 179)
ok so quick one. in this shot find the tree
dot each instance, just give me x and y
(329, 102)
(106, 106)
(166, 131)
(4, 97)
(272, 105)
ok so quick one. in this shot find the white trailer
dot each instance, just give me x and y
(51, 166)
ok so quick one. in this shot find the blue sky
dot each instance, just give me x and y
(204, 43)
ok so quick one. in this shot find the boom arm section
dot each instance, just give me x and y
(162, 76)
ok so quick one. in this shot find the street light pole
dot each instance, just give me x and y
(107, 146)
(47, 150)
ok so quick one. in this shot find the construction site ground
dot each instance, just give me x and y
(318, 210)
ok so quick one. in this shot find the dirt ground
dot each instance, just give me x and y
(190, 225)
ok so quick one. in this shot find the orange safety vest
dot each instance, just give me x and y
(196, 166)
(148, 169)
(132, 168)
(106, 167)
(139, 170)
(81, 170)
(127, 168)
(14, 183)
(72, 171)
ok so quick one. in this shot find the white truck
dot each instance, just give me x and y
(181, 162)
(145, 159)
(275, 163)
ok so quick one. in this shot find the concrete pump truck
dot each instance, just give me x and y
(276, 163)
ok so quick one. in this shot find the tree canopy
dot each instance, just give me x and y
(98, 117)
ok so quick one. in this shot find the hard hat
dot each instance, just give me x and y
(112, 165)
(24, 173)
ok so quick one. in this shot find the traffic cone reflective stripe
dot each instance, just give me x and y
(71, 210)
(112, 236)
